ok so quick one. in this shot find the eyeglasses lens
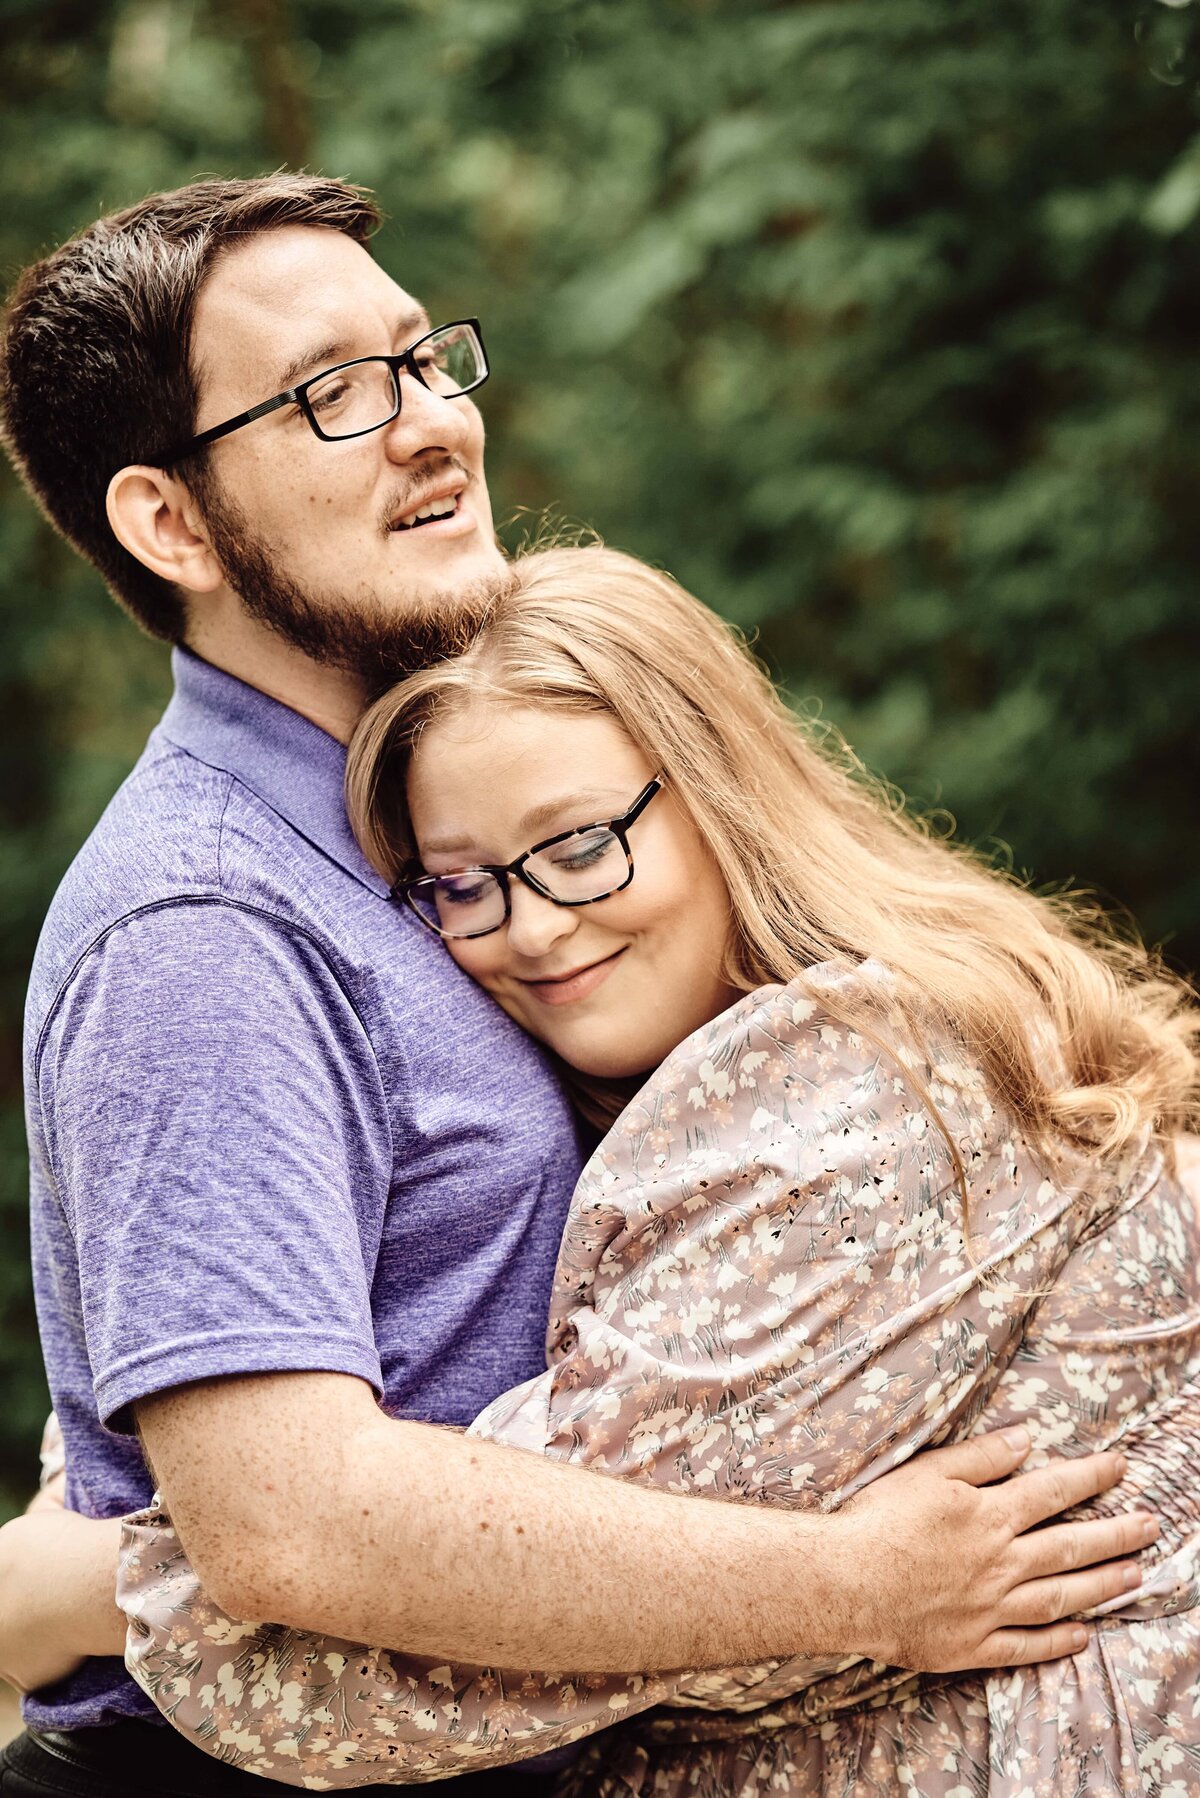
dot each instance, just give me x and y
(461, 904)
(585, 867)
(354, 399)
(361, 396)
(451, 361)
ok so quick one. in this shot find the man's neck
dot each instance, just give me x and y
(330, 698)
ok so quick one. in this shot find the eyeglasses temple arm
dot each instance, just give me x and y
(290, 398)
(642, 801)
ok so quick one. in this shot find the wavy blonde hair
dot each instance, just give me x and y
(1083, 1035)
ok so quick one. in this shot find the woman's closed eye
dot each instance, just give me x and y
(456, 889)
(584, 852)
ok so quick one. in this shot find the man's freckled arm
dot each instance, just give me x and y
(298, 1500)
(436, 1542)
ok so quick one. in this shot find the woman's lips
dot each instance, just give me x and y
(564, 991)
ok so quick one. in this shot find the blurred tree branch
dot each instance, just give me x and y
(279, 77)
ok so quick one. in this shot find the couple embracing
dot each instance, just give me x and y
(486, 1044)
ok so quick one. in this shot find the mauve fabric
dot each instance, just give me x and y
(271, 1125)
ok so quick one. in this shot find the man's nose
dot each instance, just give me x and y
(536, 925)
(426, 422)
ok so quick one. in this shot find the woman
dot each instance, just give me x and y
(899, 1174)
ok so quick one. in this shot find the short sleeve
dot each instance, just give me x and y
(219, 1141)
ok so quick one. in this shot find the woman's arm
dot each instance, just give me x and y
(57, 1583)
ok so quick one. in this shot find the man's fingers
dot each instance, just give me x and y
(1033, 1497)
(1042, 1601)
(1018, 1647)
(982, 1459)
(1061, 1547)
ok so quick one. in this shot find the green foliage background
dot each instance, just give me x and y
(874, 320)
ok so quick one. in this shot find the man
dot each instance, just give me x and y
(297, 1185)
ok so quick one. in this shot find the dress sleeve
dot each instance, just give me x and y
(764, 1290)
(314, 1711)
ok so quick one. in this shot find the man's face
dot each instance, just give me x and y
(311, 534)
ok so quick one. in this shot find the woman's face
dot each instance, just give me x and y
(614, 986)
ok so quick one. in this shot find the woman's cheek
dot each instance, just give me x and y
(480, 962)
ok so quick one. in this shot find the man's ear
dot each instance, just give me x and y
(154, 517)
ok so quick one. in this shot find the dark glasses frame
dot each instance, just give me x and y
(298, 396)
(405, 889)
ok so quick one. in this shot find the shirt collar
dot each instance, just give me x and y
(291, 764)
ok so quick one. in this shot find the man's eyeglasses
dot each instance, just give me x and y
(364, 395)
(577, 867)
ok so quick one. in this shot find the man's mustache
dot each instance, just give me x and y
(421, 475)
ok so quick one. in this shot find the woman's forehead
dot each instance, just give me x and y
(520, 733)
(504, 769)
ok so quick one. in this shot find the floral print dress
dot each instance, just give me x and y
(765, 1293)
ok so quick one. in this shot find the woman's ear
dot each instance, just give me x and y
(155, 518)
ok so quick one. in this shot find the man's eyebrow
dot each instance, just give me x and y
(337, 349)
(309, 362)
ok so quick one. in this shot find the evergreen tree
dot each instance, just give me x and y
(870, 319)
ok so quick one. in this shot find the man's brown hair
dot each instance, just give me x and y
(95, 353)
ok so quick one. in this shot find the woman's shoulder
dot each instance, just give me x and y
(801, 1094)
(830, 1058)
(842, 1009)
(830, 1044)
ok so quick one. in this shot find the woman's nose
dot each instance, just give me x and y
(536, 925)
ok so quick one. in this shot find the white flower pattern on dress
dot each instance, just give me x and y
(765, 1293)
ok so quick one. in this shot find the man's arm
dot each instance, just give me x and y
(298, 1500)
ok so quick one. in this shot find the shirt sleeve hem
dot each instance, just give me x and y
(223, 1355)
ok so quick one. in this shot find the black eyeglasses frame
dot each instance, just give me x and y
(298, 396)
(403, 890)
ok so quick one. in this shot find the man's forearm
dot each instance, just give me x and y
(567, 1568)
(443, 1545)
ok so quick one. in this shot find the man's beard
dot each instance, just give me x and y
(376, 641)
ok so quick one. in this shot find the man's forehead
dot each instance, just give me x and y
(283, 290)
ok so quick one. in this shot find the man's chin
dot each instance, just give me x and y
(431, 626)
(438, 565)
(406, 611)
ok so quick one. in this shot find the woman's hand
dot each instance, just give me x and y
(58, 1574)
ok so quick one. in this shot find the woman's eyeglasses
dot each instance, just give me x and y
(577, 867)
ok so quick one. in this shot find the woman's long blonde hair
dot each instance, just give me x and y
(1085, 1038)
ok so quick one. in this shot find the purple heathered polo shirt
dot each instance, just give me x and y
(271, 1125)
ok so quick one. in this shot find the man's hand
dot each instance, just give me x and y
(58, 1574)
(956, 1572)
